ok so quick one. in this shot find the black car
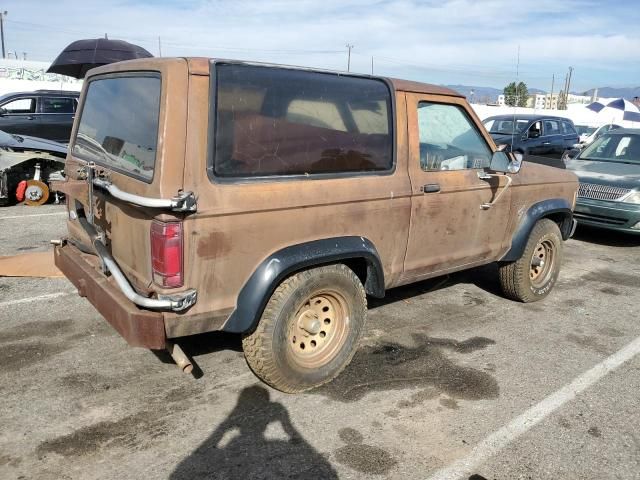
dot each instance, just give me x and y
(533, 135)
(43, 113)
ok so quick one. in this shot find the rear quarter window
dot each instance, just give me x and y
(277, 121)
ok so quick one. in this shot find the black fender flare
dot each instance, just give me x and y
(557, 208)
(257, 290)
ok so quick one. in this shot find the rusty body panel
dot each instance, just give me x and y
(239, 224)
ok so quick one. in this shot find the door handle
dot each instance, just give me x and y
(430, 188)
(546, 143)
(31, 117)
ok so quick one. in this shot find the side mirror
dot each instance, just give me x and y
(534, 133)
(506, 162)
(571, 154)
(3, 112)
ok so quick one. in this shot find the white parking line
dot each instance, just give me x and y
(500, 439)
(33, 299)
(34, 215)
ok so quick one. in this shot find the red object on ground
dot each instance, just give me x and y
(22, 186)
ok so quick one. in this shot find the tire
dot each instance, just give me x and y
(331, 304)
(526, 282)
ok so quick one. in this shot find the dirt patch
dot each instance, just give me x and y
(9, 460)
(361, 457)
(16, 356)
(419, 397)
(123, 433)
(392, 366)
(214, 245)
(41, 328)
(449, 403)
(611, 332)
(610, 291)
(86, 382)
(594, 432)
(588, 342)
(612, 277)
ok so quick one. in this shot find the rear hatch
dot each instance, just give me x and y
(131, 125)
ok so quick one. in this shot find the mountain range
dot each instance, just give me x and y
(490, 94)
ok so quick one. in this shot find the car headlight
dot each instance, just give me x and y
(632, 197)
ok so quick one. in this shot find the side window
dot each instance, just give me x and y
(57, 105)
(535, 130)
(568, 129)
(20, 106)
(277, 121)
(449, 140)
(551, 127)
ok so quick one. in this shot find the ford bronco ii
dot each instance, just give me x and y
(269, 201)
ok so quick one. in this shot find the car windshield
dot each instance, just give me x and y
(614, 148)
(582, 129)
(506, 126)
(119, 124)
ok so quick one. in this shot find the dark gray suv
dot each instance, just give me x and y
(42, 113)
(533, 135)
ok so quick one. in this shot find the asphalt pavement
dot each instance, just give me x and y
(451, 381)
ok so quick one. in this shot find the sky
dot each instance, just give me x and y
(445, 42)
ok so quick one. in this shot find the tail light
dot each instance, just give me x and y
(166, 253)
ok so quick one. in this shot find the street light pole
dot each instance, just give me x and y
(2, 15)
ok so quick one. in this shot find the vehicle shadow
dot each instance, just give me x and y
(608, 238)
(240, 448)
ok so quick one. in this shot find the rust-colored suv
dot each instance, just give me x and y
(269, 201)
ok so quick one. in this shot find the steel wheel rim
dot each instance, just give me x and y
(318, 329)
(541, 265)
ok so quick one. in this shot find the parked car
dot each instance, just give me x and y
(44, 113)
(28, 165)
(584, 131)
(533, 135)
(609, 174)
(269, 201)
(598, 132)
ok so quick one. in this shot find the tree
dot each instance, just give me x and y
(516, 95)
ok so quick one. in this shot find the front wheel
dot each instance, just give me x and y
(309, 330)
(533, 275)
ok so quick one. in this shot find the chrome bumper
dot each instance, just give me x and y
(177, 302)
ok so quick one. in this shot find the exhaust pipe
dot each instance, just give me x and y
(179, 357)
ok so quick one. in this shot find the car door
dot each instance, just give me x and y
(553, 141)
(56, 117)
(18, 115)
(448, 153)
(533, 143)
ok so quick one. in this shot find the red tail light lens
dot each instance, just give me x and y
(166, 253)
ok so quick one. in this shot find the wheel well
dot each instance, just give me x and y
(359, 267)
(563, 220)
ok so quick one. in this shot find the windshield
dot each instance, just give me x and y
(582, 129)
(119, 124)
(506, 126)
(614, 148)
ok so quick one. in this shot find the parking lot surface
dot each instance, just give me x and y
(445, 384)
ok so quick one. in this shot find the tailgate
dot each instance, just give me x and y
(126, 159)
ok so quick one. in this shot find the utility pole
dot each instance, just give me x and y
(553, 81)
(24, 55)
(349, 47)
(371, 64)
(568, 87)
(563, 94)
(159, 47)
(2, 15)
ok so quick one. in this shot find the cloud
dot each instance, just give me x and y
(457, 41)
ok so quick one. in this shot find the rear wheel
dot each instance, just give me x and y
(533, 275)
(309, 330)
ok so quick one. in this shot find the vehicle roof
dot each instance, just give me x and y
(62, 93)
(524, 116)
(200, 66)
(624, 131)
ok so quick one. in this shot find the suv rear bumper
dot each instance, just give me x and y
(140, 328)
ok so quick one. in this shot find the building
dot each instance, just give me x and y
(537, 101)
(27, 76)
